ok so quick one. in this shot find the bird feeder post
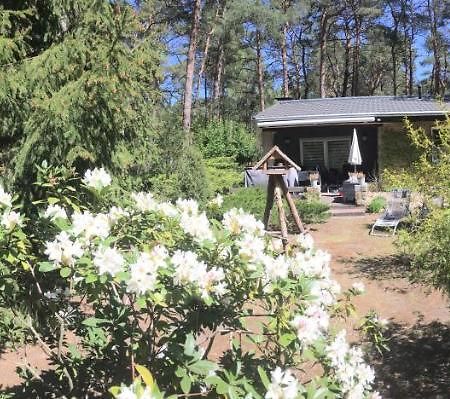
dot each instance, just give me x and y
(276, 189)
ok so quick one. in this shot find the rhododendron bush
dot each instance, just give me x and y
(153, 299)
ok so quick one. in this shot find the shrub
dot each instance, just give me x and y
(376, 205)
(149, 288)
(222, 174)
(427, 245)
(227, 139)
(253, 200)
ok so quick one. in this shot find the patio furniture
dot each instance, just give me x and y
(397, 209)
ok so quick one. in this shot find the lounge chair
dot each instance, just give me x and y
(397, 209)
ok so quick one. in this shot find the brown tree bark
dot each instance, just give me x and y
(218, 84)
(260, 71)
(190, 67)
(324, 17)
(437, 83)
(284, 60)
(348, 47)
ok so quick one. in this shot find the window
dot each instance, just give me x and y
(328, 153)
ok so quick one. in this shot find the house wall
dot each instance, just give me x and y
(288, 139)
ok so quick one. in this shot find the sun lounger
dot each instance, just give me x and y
(397, 209)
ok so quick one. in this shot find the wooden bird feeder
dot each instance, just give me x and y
(276, 164)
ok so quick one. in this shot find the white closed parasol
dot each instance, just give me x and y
(354, 158)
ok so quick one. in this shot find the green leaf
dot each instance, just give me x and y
(65, 272)
(114, 391)
(286, 339)
(52, 200)
(202, 367)
(45, 267)
(91, 278)
(94, 321)
(146, 375)
(189, 345)
(185, 384)
(263, 375)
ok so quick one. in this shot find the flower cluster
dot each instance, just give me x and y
(9, 219)
(144, 271)
(63, 251)
(311, 325)
(97, 178)
(283, 385)
(351, 372)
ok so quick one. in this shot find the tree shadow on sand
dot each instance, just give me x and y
(379, 267)
(418, 363)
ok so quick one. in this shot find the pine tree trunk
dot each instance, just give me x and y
(284, 61)
(437, 84)
(218, 80)
(346, 78)
(305, 72)
(190, 67)
(260, 71)
(394, 69)
(322, 48)
(356, 58)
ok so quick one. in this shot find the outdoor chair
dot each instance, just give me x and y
(397, 209)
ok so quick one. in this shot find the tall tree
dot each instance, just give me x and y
(190, 67)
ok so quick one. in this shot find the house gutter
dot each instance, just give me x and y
(318, 121)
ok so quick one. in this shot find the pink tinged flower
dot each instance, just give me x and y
(108, 260)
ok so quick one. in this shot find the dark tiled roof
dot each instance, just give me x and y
(338, 107)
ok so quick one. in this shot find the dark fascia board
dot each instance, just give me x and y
(384, 115)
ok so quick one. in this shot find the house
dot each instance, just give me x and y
(317, 133)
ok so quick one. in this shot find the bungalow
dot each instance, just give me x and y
(317, 133)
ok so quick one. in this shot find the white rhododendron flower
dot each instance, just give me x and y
(304, 240)
(251, 248)
(283, 385)
(144, 272)
(197, 225)
(324, 292)
(311, 264)
(11, 219)
(115, 214)
(62, 250)
(97, 178)
(311, 325)
(277, 268)
(189, 269)
(88, 225)
(5, 198)
(353, 375)
(54, 212)
(358, 287)
(187, 206)
(236, 221)
(168, 209)
(218, 200)
(145, 202)
(108, 260)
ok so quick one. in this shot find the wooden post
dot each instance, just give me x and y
(281, 214)
(269, 201)
(291, 204)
